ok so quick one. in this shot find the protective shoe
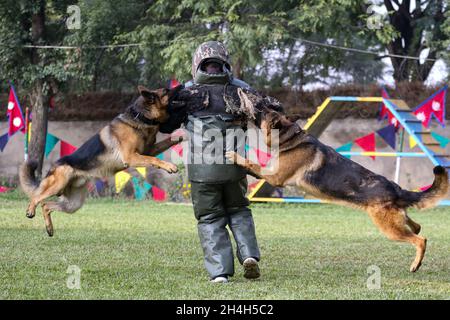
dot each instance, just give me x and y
(251, 269)
(220, 279)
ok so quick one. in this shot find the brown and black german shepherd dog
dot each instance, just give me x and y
(128, 141)
(305, 162)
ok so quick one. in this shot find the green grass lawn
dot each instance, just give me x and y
(144, 250)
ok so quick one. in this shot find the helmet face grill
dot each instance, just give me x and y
(210, 50)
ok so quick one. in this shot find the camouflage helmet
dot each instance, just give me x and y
(210, 50)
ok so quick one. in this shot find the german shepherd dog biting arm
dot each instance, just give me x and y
(128, 141)
(305, 162)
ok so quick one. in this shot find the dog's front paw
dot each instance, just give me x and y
(170, 168)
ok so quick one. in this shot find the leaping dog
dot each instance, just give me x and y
(305, 162)
(128, 141)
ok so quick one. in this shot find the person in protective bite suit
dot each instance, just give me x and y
(211, 102)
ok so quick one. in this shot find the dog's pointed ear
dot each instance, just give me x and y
(293, 117)
(147, 94)
(275, 122)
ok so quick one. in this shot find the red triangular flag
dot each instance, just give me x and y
(66, 149)
(425, 188)
(424, 113)
(367, 143)
(434, 105)
(4, 189)
(178, 149)
(173, 83)
(16, 120)
(158, 194)
(385, 112)
(263, 157)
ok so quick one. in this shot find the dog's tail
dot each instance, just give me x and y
(430, 197)
(27, 177)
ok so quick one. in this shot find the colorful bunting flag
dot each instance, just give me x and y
(3, 141)
(50, 143)
(90, 187)
(173, 83)
(412, 142)
(160, 156)
(147, 186)
(345, 148)
(178, 149)
(252, 185)
(139, 192)
(433, 106)
(388, 135)
(158, 194)
(142, 171)
(99, 185)
(443, 141)
(121, 178)
(425, 188)
(385, 112)
(4, 189)
(66, 149)
(263, 157)
(367, 143)
(14, 112)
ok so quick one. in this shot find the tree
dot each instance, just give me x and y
(446, 30)
(41, 72)
(420, 27)
(409, 29)
(251, 31)
(103, 21)
(37, 71)
(172, 30)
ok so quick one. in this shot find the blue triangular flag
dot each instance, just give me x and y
(50, 143)
(139, 192)
(345, 147)
(147, 186)
(160, 156)
(443, 141)
(99, 185)
(3, 141)
(388, 135)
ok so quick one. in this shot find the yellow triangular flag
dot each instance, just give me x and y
(142, 171)
(121, 179)
(412, 142)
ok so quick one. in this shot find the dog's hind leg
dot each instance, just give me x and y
(50, 186)
(71, 201)
(47, 218)
(393, 223)
(415, 227)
